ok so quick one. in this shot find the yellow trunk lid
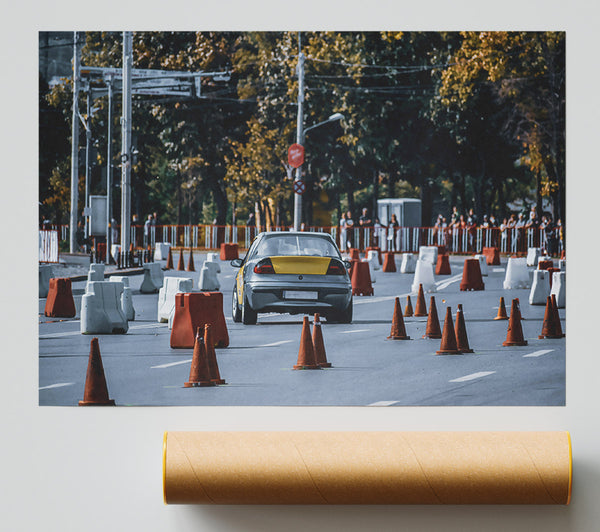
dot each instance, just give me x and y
(301, 265)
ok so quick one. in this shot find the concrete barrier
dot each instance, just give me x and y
(161, 250)
(559, 280)
(60, 302)
(115, 251)
(101, 311)
(562, 265)
(492, 256)
(429, 254)
(46, 273)
(423, 275)
(213, 257)
(126, 296)
(208, 277)
(517, 274)
(196, 309)
(408, 264)
(482, 264)
(153, 278)
(533, 255)
(373, 259)
(229, 251)
(540, 288)
(96, 272)
(166, 296)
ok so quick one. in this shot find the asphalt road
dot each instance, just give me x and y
(368, 369)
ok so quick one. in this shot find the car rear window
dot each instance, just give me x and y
(282, 245)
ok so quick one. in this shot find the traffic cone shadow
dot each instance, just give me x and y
(306, 353)
(180, 266)
(169, 265)
(319, 344)
(433, 323)
(448, 345)
(199, 370)
(408, 310)
(190, 264)
(514, 335)
(421, 308)
(462, 342)
(398, 331)
(96, 391)
(501, 311)
(211, 356)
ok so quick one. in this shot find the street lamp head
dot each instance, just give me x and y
(336, 116)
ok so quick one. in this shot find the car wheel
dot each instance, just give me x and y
(236, 312)
(344, 316)
(249, 316)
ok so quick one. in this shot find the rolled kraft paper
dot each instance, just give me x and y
(367, 468)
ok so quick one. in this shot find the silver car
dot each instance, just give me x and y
(295, 273)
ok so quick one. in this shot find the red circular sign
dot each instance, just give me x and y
(296, 155)
(299, 186)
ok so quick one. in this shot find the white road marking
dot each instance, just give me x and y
(354, 331)
(187, 361)
(274, 344)
(77, 333)
(473, 376)
(383, 403)
(227, 276)
(57, 385)
(371, 299)
(447, 282)
(149, 325)
(539, 353)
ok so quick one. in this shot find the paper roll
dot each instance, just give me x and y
(367, 468)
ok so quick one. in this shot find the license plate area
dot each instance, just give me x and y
(300, 294)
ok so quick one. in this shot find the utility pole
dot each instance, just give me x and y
(299, 135)
(74, 148)
(126, 143)
(109, 172)
(88, 146)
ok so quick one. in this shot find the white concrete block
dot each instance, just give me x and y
(424, 274)
(482, 264)
(408, 264)
(153, 278)
(517, 274)
(161, 250)
(533, 255)
(559, 280)
(115, 250)
(208, 277)
(540, 288)
(96, 272)
(429, 254)
(214, 257)
(373, 255)
(126, 296)
(166, 295)
(46, 273)
(101, 311)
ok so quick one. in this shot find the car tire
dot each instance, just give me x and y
(249, 316)
(344, 316)
(236, 312)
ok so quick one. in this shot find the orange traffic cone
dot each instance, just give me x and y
(514, 335)
(211, 356)
(421, 308)
(169, 265)
(442, 266)
(549, 326)
(199, 371)
(433, 323)
(398, 331)
(501, 311)
(354, 253)
(408, 310)
(448, 345)
(180, 267)
(389, 264)
(318, 344)
(361, 279)
(460, 331)
(190, 264)
(557, 317)
(306, 354)
(96, 392)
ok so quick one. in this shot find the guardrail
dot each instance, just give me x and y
(404, 239)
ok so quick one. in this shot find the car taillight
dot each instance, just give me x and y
(336, 268)
(264, 266)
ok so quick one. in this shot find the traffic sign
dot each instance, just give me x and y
(299, 186)
(296, 155)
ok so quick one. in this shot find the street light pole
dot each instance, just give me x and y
(74, 148)
(88, 145)
(109, 172)
(126, 143)
(299, 138)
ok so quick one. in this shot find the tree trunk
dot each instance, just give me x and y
(220, 201)
(375, 194)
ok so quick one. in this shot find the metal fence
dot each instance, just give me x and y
(403, 239)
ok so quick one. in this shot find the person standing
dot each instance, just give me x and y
(392, 229)
(350, 227)
(147, 226)
(343, 229)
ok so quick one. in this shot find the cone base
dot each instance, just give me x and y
(306, 367)
(551, 336)
(501, 318)
(398, 337)
(449, 352)
(219, 381)
(110, 402)
(433, 336)
(325, 365)
(201, 384)
(467, 351)
(465, 288)
(362, 292)
(512, 344)
(420, 315)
